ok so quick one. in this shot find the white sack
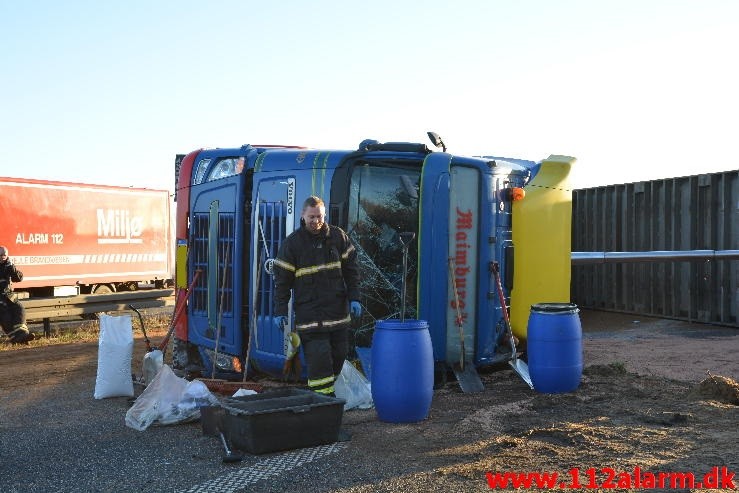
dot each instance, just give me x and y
(115, 349)
(354, 388)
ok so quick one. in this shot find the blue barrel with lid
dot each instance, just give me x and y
(402, 370)
(554, 347)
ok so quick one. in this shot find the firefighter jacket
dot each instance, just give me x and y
(9, 274)
(322, 271)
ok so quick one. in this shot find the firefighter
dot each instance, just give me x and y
(319, 263)
(12, 313)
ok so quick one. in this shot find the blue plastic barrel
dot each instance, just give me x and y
(554, 347)
(402, 370)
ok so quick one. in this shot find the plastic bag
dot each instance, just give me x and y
(153, 362)
(353, 387)
(241, 392)
(195, 396)
(115, 349)
(169, 399)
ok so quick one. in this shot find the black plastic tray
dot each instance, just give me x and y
(282, 419)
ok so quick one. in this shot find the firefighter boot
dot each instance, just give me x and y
(20, 334)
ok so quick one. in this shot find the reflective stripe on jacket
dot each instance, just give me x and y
(322, 271)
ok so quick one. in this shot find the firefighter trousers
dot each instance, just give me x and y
(325, 353)
(12, 315)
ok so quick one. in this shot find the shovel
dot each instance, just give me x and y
(467, 376)
(405, 241)
(154, 358)
(229, 456)
(519, 366)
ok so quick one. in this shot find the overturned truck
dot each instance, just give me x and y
(472, 217)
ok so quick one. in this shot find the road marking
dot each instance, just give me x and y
(265, 469)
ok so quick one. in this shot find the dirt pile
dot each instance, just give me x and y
(717, 388)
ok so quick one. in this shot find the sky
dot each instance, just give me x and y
(109, 92)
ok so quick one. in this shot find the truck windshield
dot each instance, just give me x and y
(383, 202)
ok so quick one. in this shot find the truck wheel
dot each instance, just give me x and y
(98, 289)
(185, 358)
(102, 289)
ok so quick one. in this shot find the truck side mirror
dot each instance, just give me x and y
(436, 140)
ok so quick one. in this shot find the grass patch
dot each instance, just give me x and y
(618, 366)
(89, 331)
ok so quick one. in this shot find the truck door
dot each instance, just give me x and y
(448, 254)
(433, 248)
(216, 225)
(275, 218)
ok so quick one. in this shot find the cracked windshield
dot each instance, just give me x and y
(383, 203)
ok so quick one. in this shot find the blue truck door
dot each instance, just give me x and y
(216, 220)
(448, 253)
(433, 247)
(275, 217)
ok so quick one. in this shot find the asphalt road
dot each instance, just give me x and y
(70, 442)
(58, 438)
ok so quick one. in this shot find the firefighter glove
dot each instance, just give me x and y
(355, 309)
(280, 322)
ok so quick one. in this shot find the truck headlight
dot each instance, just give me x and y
(224, 362)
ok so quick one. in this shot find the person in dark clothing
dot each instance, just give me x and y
(319, 263)
(12, 313)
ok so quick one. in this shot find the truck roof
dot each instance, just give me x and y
(32, 181)
(275, 158)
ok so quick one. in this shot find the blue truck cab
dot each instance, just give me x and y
(236, 205)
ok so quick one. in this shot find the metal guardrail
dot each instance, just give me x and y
(586, 258)
(46, 308)
(673, 248)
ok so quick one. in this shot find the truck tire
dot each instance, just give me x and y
(185, 358)
(98, 289)
(103, 289)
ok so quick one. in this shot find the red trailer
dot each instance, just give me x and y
(73, 237)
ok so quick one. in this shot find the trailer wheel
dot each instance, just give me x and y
(103, 289)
